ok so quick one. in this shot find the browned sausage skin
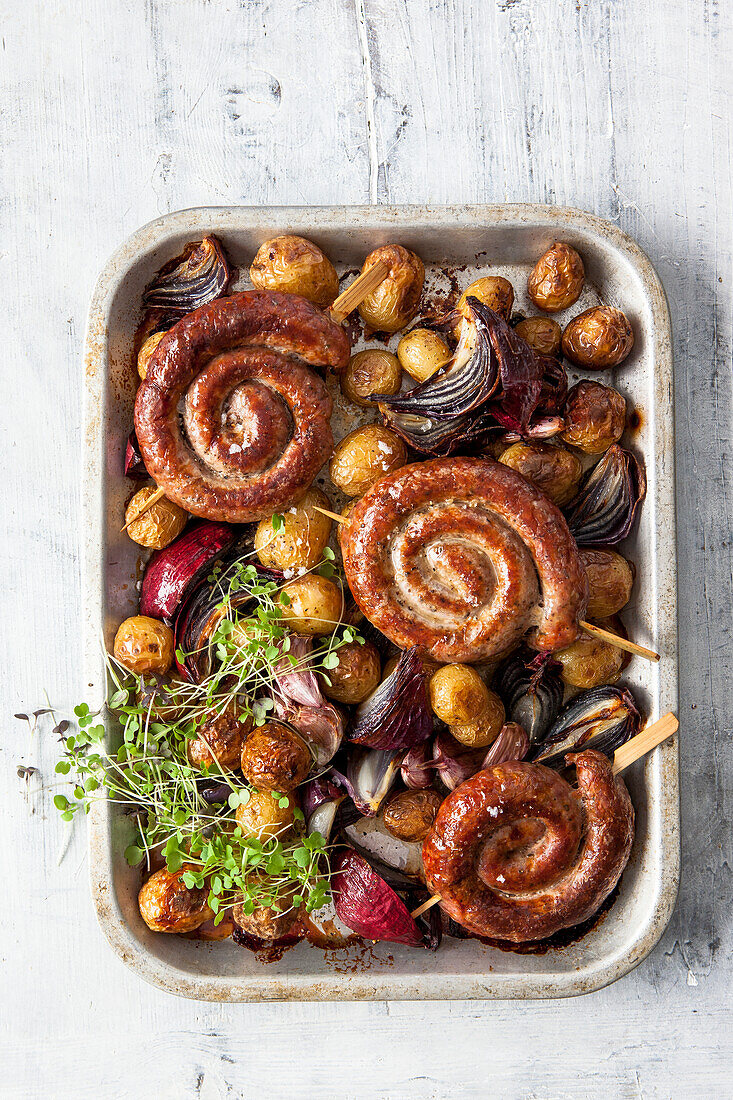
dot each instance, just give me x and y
(461, 557)
(517, 854)
(231, 421)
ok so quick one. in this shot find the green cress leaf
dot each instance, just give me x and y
(133, 854)
(149, 774)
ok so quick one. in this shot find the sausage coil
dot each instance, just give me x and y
(461, 557)
(231, 422)
(517, 854)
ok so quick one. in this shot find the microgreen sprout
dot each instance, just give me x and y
(150, 775)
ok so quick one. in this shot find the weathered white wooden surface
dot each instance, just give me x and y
(114, 111)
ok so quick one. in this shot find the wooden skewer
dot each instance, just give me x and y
(157, 495)
(425, 906)
(620, 643)
(357, 291)
(644, 742)
(331, 515)
(632, 751)
(589, 628)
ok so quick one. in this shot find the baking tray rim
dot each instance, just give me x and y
(382, 984)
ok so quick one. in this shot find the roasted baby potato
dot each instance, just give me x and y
(365, 455)
(168, 905)
(552, 469)
(143, 644)
(158, 526)
(410, 814)
(458, 694)
(295, 266)
(422, 352)
(557, 278)
(268, 924)
(541, 333)
(595, 417)
(610, 580)
(275, 758)
(493, 291)
(218, 741)
(145, 353)
(482, 730)
(356, 675)
(264, 817)
(302, 537)
(395, 301)
(313, 605)
(590, 662)
(370, 371)
(597, 339)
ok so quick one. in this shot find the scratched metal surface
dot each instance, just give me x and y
(116, 112)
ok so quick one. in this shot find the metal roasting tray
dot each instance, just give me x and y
(468, 241)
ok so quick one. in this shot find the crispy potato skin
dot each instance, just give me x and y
(395, 301)
(302, 537)
(541, 333)
(557, 278)
(357, 674)
(409, 814)
(598, 339)
(554, 470)
(295, 265)
(167, 904)
(370, 371)
(595, 417)
(219, 740)
(275, 758)
(365, 455)
(143, 644)
(610, 580)
(158, 526)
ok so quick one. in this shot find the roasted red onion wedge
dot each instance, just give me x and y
(495, 380)
(604, 510)
(443, 437)
(171, 572)
(468, 381)
(321, 799)
(531, 689)
(370, 774)
(396, 715)
(367, 905)
(134, 465)
(604, 718)
(199, 275)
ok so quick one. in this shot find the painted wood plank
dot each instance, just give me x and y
(116, 111)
